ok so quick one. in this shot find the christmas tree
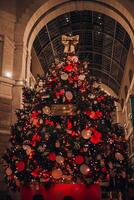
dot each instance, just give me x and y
(64, 133)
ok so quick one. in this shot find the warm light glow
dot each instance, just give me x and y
(8, 74)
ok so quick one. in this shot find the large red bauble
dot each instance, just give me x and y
(79, 159)
(96, 137)
(68, 68)
(20, 166)
(52, 156)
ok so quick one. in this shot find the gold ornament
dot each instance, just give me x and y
(69, 95)
(35, 122)
(8, 171)
(28, 150)
(67, 178)
(47, 110)
(46, 153)
(64, 76)
(62, 109)
(40, 83)
(95, 85)
(84, 169)
(81, 77)
(57, 173)
(24, 147)
(92, 96)
(41, 121)
(119, 156)
(86, 134)
(59, 159)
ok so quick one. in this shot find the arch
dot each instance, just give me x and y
(108, 90)
(43, 12)
(72, 6)
(116, 10)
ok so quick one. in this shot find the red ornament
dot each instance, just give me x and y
(48, 122)
(98, 113)
(20, 166)
(69, 124)
(76, 78)
(82, 89)
(36, 122)
(104, 169)
(53, 80)
(11, 177)
(34, 118)
(60, 93)
(35, 173)
(91, 114)
(34, 115)
(96, 137)
(70, 80)
(46, 176)
(99, 99)
(36, 138)
(52, 156)
(68, 68)
(72, 133)
(79, 159)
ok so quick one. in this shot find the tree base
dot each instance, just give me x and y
(59, 191)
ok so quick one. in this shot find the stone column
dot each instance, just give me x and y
(28, 64)
(22, 61)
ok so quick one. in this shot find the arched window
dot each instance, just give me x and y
(130, 75)
(126, 90)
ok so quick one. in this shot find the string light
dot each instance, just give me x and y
(67, 19)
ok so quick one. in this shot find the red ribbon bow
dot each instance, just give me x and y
(68, 68)
(96, 137)
(48, 122)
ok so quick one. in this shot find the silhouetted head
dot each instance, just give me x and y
(68, 198)
(8, 197)
(38, 197)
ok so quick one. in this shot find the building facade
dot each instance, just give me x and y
(21, 23)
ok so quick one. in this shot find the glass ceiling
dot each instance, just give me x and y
(103, 42)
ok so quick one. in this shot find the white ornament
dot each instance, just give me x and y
(81, 77)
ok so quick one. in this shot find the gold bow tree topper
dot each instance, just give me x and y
(70, 42)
